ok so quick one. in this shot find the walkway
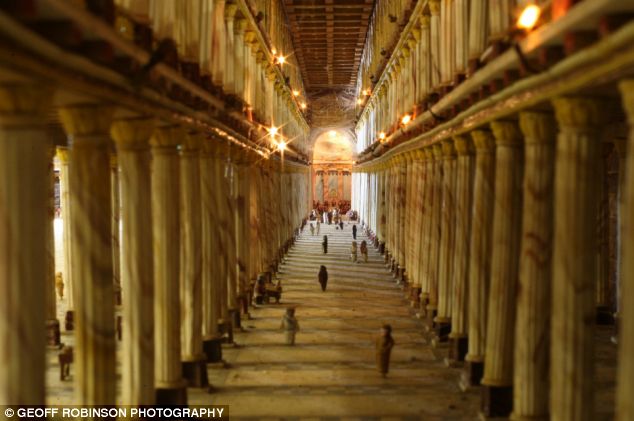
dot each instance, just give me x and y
(331, 370)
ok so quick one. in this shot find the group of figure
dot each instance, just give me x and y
(363, 249)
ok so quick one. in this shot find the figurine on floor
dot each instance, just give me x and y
(364, 251)
(353, 252)
(384, 344)
(290, 326)
(354, 231)
(323, 277)
(324, 244)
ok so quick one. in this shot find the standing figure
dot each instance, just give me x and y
(354, 232)
(329, 217)
(312, 229)
(323, 277)
(59, 284)
(290, 326)
(324, 244)
(318, 226)
(324, 217)
(353, 252)
(364, 251)
(341, 224)
(384, 344)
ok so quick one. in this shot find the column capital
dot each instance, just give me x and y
(483, 140)
(133, 133)
(240, 26)
(249, 35)
(463, 145)
(582, 112)
(230, 11)
(24, 104)
(437, 149)
(448, 150)
(168, 137)
(429, 153)
(86, 119)
(62, 154)
(434, 7)
(538, 127)
(416, 34)
(506, 133)
(424, 21)
(192, 142)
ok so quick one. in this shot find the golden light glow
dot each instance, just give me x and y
(332, 133)
(303, 105)
(273, 51)
(366, 92)
(406, 119)
(281, 146)
(281, 59)
(359, 101)
(273, 130)
(529, 17)
(295, 92)
(382, 135)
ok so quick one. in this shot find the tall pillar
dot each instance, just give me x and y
(52, 323)
(625, 380)
(64, 187)
(210, 282)
(435, 237)
(460, 292)
(507, 216)
(442, 320)
(573, 312)
(242, 232)
(229, 76)
(531, 378)
(480, 254)
(169, 382)
(137, 273)
(426, 211)
(435, 29)
(116, 217)
(24, 202)
(87, 126)
(192, 356)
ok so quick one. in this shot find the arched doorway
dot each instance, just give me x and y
(332, 166)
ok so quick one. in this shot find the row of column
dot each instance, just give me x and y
(193, 238)
(501, 269)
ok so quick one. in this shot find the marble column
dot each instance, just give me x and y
(210, 283)
(531, 378)
(229, 76)
(442, 321)
(116, 217)
(480, 253)
(573, 311)
(171, 388)
(625, 372)
(478, 32)
(435, 34)
(460, 292)
(435, 234)
(426, 213)
(220, 220)
(24, 202)
(52, 323)
(243, 218)
(87, 126)
(507, 217)
(193, 359)
(137, 272)
(64, 187)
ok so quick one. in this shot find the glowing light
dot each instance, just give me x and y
(366, 92)
(359, 101)
(281, 146)
(295, 92)
(273, 130)
(303, 105)
(273, 51)
(332, 133)
(529, 17)
(281, 59)
(406, 119)
(382, 135)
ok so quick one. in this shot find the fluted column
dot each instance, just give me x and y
(581, 121)
(229, 76)
(87, 126)
(116, 217)
(24, 202)
(210, 281)
(478, 32)
(222, 239)
(243, 218)
(137, 272)
(169, 382)
(625, 380)
(240, 58)
(382, 208)
(480, 253)
(434, 27)
(448, 223)
(507, 216)
(435, 234)
(500, 13)
(64, 187)
(463, 215)
(426, 213)
(52, 323)
(531, 378)
(218, 45)
(193, 359)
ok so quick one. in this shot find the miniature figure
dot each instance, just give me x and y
(290, 326)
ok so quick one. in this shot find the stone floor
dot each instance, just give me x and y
(330, 373)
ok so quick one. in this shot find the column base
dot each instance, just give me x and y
(234, 316)
(442, 330)
(604, 316)
(226, 330)
(53, 338)
(497, 401)
(213, 349)
(195, 373)
(458, 348)
(472, 376)
(171, 396)
(429, 318)
(69, 320)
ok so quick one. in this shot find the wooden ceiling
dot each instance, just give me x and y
(328, 36)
